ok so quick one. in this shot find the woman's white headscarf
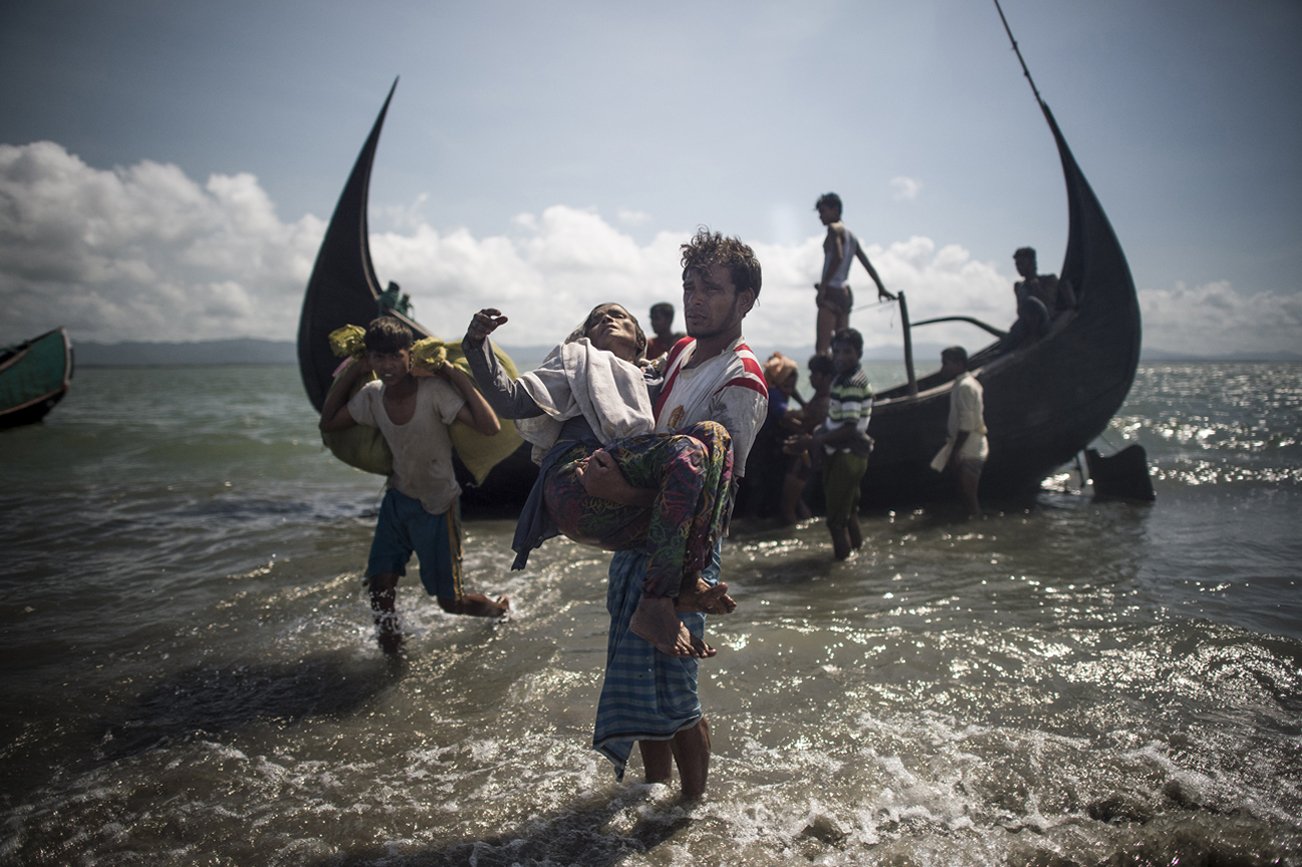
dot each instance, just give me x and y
(575, 379)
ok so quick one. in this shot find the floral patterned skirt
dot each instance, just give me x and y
(691, 472)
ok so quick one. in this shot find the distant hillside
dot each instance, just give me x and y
(238, 351)
(235, 351)
(249, 351)
(1163, 355)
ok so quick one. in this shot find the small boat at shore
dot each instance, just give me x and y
(34, 377)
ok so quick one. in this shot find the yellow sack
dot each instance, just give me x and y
(364, 447)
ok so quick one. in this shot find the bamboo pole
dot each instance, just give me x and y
(908, 344)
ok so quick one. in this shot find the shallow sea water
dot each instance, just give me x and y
(190, 675)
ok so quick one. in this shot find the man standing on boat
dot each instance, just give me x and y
(834, 298)
(650, 697)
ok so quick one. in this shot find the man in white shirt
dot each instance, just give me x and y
(966, 448)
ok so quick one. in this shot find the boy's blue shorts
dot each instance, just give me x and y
(405, 527)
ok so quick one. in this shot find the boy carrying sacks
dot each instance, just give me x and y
(421, 508)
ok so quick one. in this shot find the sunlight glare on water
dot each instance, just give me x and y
(1065, 682)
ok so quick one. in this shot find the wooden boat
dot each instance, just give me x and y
(344, 290)
(34, 376)
(1045, 401)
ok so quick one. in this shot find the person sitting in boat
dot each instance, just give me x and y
(393, 300)
(1040, 298)
(590, 393)
(834, 298)
(420, 511)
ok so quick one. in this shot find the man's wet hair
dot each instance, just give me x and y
(850, 336)
(954, 353)
(1024, 251)
(711, 248)
(830, 199)
(387, 334)
(662, 307)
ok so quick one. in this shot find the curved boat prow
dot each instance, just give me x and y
(1096, 264)
(495, 471)
(1047, 398)
(343, 287)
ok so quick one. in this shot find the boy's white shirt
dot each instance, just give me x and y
(422, 448)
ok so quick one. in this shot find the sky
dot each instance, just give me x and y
(167, 169)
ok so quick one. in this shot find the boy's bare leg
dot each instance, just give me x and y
(656, 622)
(691, 749)
(384, 592)
(824, 325)
(793, 504)
(970, 482)
(840, 542)
(657, 760)
(476, 605)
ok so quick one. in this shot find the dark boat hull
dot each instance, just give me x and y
(1045, 402)
(343, 288)
(34, 377)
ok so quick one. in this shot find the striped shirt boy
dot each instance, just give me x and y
(849, 403)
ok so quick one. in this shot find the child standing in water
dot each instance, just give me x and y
(844, 442)
(421, 508)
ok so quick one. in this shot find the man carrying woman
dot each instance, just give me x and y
(590, 393)
(710, 375)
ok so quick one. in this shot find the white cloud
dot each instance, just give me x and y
(1216, 319)
(631, 217)
(904, 189)
(145, 253)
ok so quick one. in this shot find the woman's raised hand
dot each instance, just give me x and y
(484, 323)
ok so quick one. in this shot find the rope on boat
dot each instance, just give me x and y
(1018, 51)
(891, 306)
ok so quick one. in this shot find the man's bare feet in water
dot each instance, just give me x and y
(696, 595)
(477, 605)
(656, 622)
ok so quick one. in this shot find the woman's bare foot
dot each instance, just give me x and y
(700, 596)
(656, 622)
